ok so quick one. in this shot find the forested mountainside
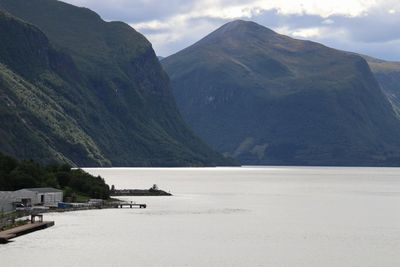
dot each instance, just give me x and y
(77, 89)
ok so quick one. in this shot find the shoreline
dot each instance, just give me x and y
(30, 227)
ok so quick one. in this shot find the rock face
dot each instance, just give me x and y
(387, 74)
(78, 89)
(265, 98)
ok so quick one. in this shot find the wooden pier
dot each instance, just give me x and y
(131, 205)
(6, 235)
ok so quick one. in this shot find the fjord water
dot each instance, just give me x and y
(250, 216)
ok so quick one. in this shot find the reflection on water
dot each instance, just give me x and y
(230, 217)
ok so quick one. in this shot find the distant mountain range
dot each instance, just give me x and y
(265, 98)
(77, 89)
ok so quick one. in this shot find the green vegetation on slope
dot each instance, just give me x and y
(15, 175)
(87, 92)
(265, 98)
(30, 118)
(35, 122)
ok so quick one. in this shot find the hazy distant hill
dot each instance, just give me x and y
(78, 89)
(388, 75)
(265, 98)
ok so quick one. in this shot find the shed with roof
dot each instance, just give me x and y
(46, 196)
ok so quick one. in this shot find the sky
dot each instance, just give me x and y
(370, 27)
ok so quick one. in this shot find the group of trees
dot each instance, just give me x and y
(15, 175)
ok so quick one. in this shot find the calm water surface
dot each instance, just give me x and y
(230, 217)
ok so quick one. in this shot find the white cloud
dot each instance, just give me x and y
(247, 9)
(328, 21)
(174, 24)
(307, 33)
(180, 26)
(321, 8)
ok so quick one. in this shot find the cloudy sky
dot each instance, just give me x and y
(370, 27)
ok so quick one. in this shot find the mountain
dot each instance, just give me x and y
(387, 74)
(75, 88)
(33, 123)
(265, 98)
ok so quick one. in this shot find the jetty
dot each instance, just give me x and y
(153, 191)
(130, 205)
(30, 227)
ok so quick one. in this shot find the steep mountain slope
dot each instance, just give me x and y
(33, 124)
(86, 91)
(265, 98)
(387, 74)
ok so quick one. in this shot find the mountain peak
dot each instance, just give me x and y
(243, 24)
(239, 30)
(266, 98)
(239, 23)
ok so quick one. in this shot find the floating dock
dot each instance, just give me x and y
(33, 226)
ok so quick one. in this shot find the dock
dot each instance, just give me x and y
(6, 235)
(131, 205)
(30, 227)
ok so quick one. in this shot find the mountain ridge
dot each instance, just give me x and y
(104, 80)
(266, 98)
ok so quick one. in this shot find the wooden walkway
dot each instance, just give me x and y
(6, 235)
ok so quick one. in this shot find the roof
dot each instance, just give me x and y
(44, 190)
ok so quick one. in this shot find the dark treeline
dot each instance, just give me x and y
(15, 175)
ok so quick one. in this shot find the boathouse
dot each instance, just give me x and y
(46, 196)
(29, 197)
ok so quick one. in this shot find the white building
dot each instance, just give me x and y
(27, 198)
(49, 197)
(46, 196)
